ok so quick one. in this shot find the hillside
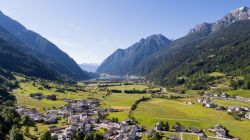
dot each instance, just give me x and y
(226, 50)
(14, 60)
(220, 46)
(43, 50)
(124, 61)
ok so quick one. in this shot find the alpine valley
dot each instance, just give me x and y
(193, 87)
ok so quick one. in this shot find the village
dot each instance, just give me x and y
(82, 116)
(236, 111)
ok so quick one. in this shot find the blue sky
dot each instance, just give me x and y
(90, 30)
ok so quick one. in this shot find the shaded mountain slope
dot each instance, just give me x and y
(14, 60)
(226, 50)
(125, 61)
(43, 50)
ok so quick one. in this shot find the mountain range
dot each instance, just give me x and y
(42, 57)
(220, 46)
(90, 67)
(123, 61)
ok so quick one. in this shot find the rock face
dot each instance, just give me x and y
(242, 13)
(43, 50)
(124, 61)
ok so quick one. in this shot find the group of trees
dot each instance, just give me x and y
(237, 83)
(134, 91)
(198, 81)
(165, 126)
(116, 91)
(134, 106)
(9, 121)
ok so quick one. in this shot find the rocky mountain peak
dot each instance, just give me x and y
(200, 27)
(242, 13)
(159, 39)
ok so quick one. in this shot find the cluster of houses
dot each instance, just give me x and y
(220, 131)
(49, 117)
(84, 123)
(241, 111)
(221, 95)
(224, 95)
(126, 130)
(33, 114)
(178, 128)
(81, 117)
(207, 102)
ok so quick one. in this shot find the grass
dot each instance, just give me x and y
(40, 105)
(239, 92)
(230, 103)
(120, 115)
(192, 92)
(121, 101)
(44, 127)
(129, 87)
(216, 74)
(148, 113)
(188, 115)
(189, 137)
(168, 134)
(23, 95)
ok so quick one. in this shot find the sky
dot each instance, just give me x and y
(91, 30)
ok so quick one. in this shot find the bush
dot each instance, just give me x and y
(134, 106)
(116, 91)
(134, 91)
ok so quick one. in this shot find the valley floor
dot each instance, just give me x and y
(147, 113)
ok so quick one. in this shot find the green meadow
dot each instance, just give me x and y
(147, 113)
(26, 88)
(239, 92)
(230, 103)
(121, 101)
(150, 112)
(129, 87)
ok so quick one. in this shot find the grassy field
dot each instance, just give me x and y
(26, 88)
(189, 115)
(239, 92)
(189, 137)
(230, 103)
(216, 74)
(147, 113)
(129, 87)
(121, 101)
(41, 127)
(40, 105)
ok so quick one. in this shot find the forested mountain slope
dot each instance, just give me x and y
(125, 61)
(226, 50)
(43, 50)
(14, 60)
